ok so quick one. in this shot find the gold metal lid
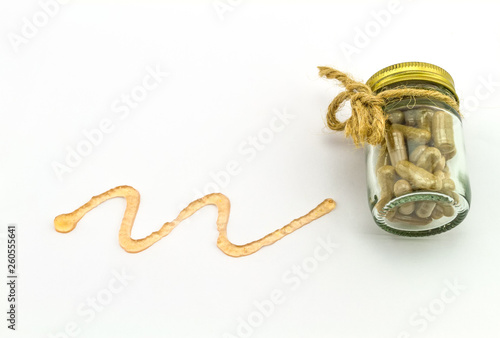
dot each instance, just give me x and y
(407, 71)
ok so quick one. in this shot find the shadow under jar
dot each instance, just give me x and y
(417, 180)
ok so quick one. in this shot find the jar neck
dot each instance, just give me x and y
(419, 84)
(412, 101)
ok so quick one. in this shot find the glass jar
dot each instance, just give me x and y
(417, 179)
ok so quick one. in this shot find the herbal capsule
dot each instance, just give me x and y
(383, 157)
(414, 136)
(438, 212)
(448, 184)
(423, 119)
(448, 210)
(442, 132)
(425, 209)
(411, 220)
(396, 117)
(440, 174)
(430, 190)
(401, 188)
(418, 177)
(396, 146)
(411, 117)
(429, 158)
(385, 177)
(415, 154)
(440, 164)
(450, 155)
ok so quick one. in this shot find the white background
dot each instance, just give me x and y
(228, 73)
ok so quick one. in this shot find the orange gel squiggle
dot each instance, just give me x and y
(67, 222)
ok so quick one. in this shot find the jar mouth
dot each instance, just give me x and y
(420, 229)
(408, 71)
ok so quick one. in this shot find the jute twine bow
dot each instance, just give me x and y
(367, 121)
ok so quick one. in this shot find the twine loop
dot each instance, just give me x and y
(367, 121)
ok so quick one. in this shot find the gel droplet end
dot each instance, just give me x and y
(64, 223)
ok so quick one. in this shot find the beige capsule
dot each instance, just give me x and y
(403, 187)
(415, 154)
(414, 136)
(430, 156)
(412, 220)
(396, 145)
(419, 178)
(423, 119)
(451, 154)
(439, 165)
(383, 157)
(411, 117)
(407, 208)
(396, 117)
(446, 170)
(424, 209)
(419, 117)
(448, 184)
(386, 176)
(440, 174)
(448, 210)
(421, 136)
(444, 173)
(442, 133)
(438, 212)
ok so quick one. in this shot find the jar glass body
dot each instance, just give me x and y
(417, 180)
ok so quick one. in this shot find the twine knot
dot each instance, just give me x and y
(367, 121)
